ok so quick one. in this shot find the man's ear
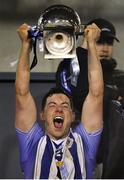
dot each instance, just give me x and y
(73, 116)
(42, 116)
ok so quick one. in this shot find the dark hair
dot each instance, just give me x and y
(56, 90)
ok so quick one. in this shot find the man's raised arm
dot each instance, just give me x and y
(25, 106)
(92, 110)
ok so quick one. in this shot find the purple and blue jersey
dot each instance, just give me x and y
(28, 146)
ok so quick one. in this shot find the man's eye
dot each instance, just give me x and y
(51, 105)
(65, 106)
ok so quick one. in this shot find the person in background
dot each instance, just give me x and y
(113, 81)
(52, 149)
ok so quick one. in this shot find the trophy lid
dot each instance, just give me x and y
(59, 15)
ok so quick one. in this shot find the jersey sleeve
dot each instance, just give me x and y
(90, 143)
(26, 140)
(90, 140)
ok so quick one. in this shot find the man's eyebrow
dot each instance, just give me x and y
(65, 102)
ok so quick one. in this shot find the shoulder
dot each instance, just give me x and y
(90, 140)
(33, 134)
(118, 73)
(118, 76)
(82, 131)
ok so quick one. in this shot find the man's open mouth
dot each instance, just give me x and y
(58, 122)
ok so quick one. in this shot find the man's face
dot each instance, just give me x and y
(104, 48)
(58, 116)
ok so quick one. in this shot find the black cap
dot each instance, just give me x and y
(107, 28)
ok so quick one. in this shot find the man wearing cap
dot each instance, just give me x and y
(113, 78)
